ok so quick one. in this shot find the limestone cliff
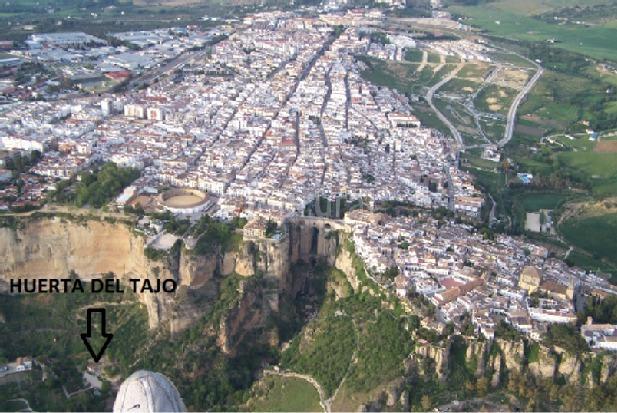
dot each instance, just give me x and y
(53, 247)
(491, 359)
(438, 354)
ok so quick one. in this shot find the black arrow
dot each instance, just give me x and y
(88, 334)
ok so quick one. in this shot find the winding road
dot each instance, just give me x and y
(511, 118)
(511, 121)
(429, 99)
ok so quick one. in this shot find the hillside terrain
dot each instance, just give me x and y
(337, 337)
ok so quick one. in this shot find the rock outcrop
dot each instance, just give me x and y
(476, 354)
(545, 364)
(438, 354)
(54, 247)
(57, 246)
(513, 353)
(492, 359)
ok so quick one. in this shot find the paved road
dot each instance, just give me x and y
(63, 209)
(492, 218)
(511, 120)
(152, 76)
(423, 62)
(429, 98)
(24, 401)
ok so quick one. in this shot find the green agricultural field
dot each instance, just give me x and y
(413, 55)
(514, 20)
(598, 170)
(495, 99)
(611, 108)
(536, 200)
(283, 394)
(579, 143)
(512, 59)
(550, 101)
(595, 234)
(433, 58)
(473, 70)
(586, 261)
(566, 162)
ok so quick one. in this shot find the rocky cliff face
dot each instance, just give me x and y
(54, 247)
(43, 247)
(491, 359)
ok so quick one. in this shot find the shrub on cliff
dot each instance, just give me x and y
(95, 188)
(566, 337)
(214, 235)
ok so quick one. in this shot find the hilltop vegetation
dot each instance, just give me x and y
(517, 20)
(595, 234)
(48, 327)
(102, 17)
(283, 394)
(355, 344)
(97, 188)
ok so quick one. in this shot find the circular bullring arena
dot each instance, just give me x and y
(184, 200)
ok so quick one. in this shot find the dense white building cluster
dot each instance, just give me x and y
(464, 274)
(463, 49)
(276, 115)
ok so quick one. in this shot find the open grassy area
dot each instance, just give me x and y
(514, 20)
(534, 201)
(428, 118)
(400, 76)
(596, 170)
(459, 85)
(495, 99)
(594, 234)
(283, 394)
(433, 58)
(493, 129)
(587, 261)
(413, 55)
(492, 182)
(476, 71)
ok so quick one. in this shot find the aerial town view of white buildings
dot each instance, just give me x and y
(275, 115)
